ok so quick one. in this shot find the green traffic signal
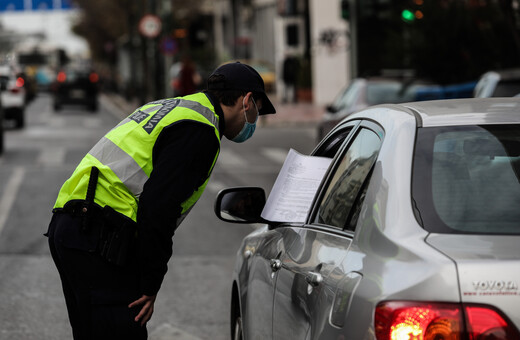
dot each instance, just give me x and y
(345, 9)
(407, 15)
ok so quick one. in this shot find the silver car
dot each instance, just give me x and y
(414, 232)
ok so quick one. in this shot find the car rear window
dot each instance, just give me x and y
(509, 88)
(466, 179)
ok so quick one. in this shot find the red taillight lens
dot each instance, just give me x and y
(20, 82)
(93, 77)
(484, 323)
(418, 321)
(61, 77)
(403, 320)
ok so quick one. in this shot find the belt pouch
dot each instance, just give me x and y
(118, 237)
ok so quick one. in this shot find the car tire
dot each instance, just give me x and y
(57, 106)
(1, 140)
(93, 106)
(20, 119)
(238, 333)
(237, 330)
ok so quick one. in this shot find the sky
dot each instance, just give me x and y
(55, 24)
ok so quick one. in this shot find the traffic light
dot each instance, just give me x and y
(345, 9)
(407, 15)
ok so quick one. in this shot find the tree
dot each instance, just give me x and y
(103, 22)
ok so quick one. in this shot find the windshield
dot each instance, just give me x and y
(347, 100)
(466, 179)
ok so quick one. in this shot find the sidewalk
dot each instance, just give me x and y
(287, 114)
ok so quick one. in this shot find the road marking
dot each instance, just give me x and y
(231, 159)
(215, 186)
(92, 122)
(168, 332)
(54, 156)
(275, 154)
(10, 194)
(56, 122)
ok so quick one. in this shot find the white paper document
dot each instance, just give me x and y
(295, 187)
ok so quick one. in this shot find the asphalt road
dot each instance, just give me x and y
(193, 302)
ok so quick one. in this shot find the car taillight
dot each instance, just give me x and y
(61, 77)
(402, 320)
(93, 77)
(417, 321)
(20, 82)
(486, 323)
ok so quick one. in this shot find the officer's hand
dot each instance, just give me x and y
(146, 311)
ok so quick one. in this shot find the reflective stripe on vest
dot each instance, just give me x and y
(124, 155)
(122, 164)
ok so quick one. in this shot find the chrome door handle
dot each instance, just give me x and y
(276, 264)
(314, 279)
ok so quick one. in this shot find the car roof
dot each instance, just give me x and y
(468, 111)
(506, 74)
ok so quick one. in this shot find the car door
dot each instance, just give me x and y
(270, 252)
(310, 265)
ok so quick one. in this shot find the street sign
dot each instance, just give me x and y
(150, 26)
(35, 5)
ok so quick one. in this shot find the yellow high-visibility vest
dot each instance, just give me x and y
(124, 155)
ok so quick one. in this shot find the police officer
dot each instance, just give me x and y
(111, 231)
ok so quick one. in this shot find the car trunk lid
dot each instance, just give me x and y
(488, 267)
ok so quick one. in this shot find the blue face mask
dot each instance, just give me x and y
(248, 129)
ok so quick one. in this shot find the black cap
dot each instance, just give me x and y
(238, 76)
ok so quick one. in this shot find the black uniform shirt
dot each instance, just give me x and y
(182, 157)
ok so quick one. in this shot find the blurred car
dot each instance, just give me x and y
(29, 85)
(76, 85)
(14, 95)
(364, 92)
(2, 138)
(504, 83)
(413, 232)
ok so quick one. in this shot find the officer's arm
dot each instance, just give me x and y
(182, 158)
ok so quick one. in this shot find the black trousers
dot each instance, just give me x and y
(97, 293)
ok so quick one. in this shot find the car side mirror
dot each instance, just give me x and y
(240, 205)
(3, 84)
(331, 108)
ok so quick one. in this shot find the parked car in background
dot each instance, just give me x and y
(76, 85)
(2, 138)
(14, 95)
(504, 83)
(364, 92)
(413, 232)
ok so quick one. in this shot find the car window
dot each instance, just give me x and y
(466, 179)
(508, 88)
(348, 98)
(338, 205)
(331, 145)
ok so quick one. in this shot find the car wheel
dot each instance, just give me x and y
(20, 119)
(238, 334)
(1, 140)
(93, 106)
(237, 331)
